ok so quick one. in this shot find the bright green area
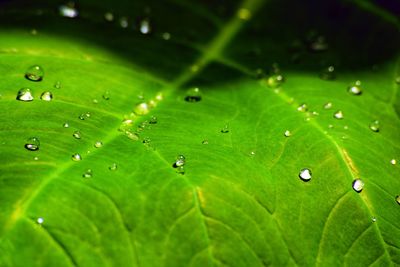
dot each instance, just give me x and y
(240, 201)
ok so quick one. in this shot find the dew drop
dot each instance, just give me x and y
(34, 73)
(153, 120)
(32, 144)
(302, 107)
(244, 14)
(275, 80)
(46, 96)
(166, 36)
(355, 89)
(305, 174)
(77, 135)
(87, 174)
(193, 95)
(106, 95)
(141, 109)
(145, 26)
(328, 74)
(123, 22)
(328, 105)
(398, 199)
(374, 126)
(113, 167)
(225, 129)
(40, 220)
(358, 185)
(108, 16)
(180, 161)
(98, 144)
(393, 161)
(24, 94)
(205, 142)
(287, 133)
(66, 125)
(68, 10)
(338, 115)
(76, 157)
(57, 85)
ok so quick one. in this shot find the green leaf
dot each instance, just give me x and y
(129, 101)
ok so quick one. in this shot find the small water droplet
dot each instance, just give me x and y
(141, 109)
(180, 161)
(305, 174)
(180, 170)
(374, 126)
(87, 174)
(68, 10)
(193, 95)
(32, 144)
(153, 120)
(328, 105)
(24, 94)
(40, 220)
(34, 73)
(346, 127)
(57, 85)
(66, 125)
(302, 107)
(36, 158)
(244, 14)
(225, 129)
(145, 26)
(355, 89)
(205, 142)
(338, 115)
(108, 16)
(373, 219)
(84, 116)
(393, 161)
(358, 185)
(275, 80)
(46, 96)
(106, 95)
(166, 36)
(77, 135)
(287, 133)
(328, 74)
(123, 22)
(95, 101)
(98, 144)
(398, 199)
(76, 157)
(113, 167)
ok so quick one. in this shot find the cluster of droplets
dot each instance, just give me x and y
(179, 164)
(34, 73)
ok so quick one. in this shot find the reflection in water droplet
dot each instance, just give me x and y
(398, 199)
(252, 153)
(113, 167)
(141, 109)
(145, 26)
(275, 80)
(358, 185)
(302, 107)
(24, 94)
(108, 16)
(57, 85)
(193, 95)
(328, 74)
(77, 135)
(76, 157)
(98, 144)
(374, 126)
(40, 220)
(106, 95)
(393, 161)
(46, 96)
(305, 174)
(68, 10)
(87, 174)
(205, 142)
(328, 105)
(355, 89)
(287, 133)
(153, 120)
(34, 73)
(66, 125)
(338, 115)
(180, 161)
(244, 14)
(32, 144)
(225, 129)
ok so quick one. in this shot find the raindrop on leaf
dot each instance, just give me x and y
(302, 107)
(180, 161)
(106, 95)
(287, 133)
(338, 115)
(153, 120)
(305, 174)
(393, 161)
(145, 26)
(141, 109)
(193, 95)
(68, 10)
(225, 129)
(328, 73)
(77, 135)
(76, 157)
(113, 167)
(87, 174)
(25, 95)
(374, 126)
(40, 220)
(358, 185)
(98, 144)
(355, 89)
(34, 73)
(328, 105)
(32, 144)
(46, 96)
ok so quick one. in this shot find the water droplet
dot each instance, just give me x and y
(141, 109)
(338, 115)
(225, 129)
(397, 80)
(302, 107)
(328, 74)
(355, 89)
(24, 94)
(106, 95)
(76, 157)
(287, 133)
(77, 135)
(358, 185)
(32, 144)
(113, 167)
(87, 174)
(108, 16)
(398, 199)
(305, 174)
(98, 144)
(34, 73)
(153, 120)
(166, 36)
(46, 96)
(57, 85)
(131, 135)
(180, 161)
(244, 14)
(40, 220)
(393, 162)
(374, 126)
(146, 141)
(180, 170)
(145, 26)
(36, 158)
(123, 22)
(66, 125)
(68, 10)
(319, 44)
(328, 105)
(205, 142)
(193, 95)
(252, 153)
(84, 116)
(275, 80)
(373, 219)
(95, 101)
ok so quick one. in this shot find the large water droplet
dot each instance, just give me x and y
(328, 73)
(46, 96)
(98, 144)
(145, 26)
(24, 94)
(76, 157)
(68, 10)
(275, 80)
(358, 185)
(193, 95)
(374, 126)
(302, 107)
(34, 73)
(287, 133)
(355, 89)
(338, 115)
(305, 174)
(77, 135)
(141, 109)
(32, 144)
(113, 167)
(87, 174)
(180, 161)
